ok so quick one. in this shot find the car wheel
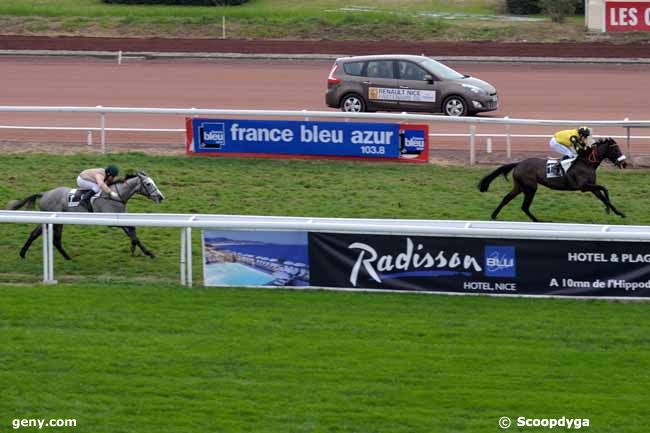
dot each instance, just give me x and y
(353, 104)
(455, 106)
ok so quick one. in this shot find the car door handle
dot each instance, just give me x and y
(367, 82)
(403, 87)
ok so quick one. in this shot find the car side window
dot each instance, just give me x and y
(353, 68)
(380, 69)
(411, 71)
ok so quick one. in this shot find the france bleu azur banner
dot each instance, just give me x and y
(292, 138)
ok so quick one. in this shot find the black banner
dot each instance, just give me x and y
(476, 265)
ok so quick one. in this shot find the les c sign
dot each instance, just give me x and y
(626, 16)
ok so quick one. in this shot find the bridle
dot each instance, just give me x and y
(595, 159)
(149, 186)
(593, 156)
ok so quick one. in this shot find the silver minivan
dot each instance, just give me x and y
(405, 83)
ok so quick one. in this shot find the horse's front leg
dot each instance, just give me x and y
(601, 193)
(130, 232)
(605, 193)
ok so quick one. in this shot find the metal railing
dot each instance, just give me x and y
(472, 122)
(186, 222)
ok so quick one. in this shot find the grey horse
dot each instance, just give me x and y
(56, 200)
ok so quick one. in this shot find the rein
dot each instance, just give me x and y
(593, 156)
(117, 191)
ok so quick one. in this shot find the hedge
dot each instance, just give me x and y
(523, 7)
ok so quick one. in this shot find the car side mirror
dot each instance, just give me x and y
(428, 78)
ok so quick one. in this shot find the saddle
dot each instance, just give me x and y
(553, 168)
(80, 197)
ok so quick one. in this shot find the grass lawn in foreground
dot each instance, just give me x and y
(144, 358)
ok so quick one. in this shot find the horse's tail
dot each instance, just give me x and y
(484, 184)
(29, 202)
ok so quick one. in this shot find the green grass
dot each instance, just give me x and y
(321, 19)
(276, 187)
(139, 358)
(253, 7)
(120, 347)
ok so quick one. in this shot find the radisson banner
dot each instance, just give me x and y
(427, 263)
(474, 265)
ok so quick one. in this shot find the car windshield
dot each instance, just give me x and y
(441, 71)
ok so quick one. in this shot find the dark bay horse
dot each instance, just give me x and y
(529, 173)
(56, 200)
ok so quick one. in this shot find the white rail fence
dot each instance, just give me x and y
(472, 122)
(186, 222)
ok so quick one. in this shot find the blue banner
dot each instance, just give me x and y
(290, 137)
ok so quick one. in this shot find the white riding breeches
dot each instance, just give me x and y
(560, 148)
(86, 184)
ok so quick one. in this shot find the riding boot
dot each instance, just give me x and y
(86, 198)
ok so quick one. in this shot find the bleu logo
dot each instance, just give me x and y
(413, 141)
(212, 135)
(500, 261)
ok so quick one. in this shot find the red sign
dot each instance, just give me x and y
(626, 16)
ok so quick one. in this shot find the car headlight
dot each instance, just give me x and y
(473, 89)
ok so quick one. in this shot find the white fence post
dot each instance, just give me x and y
(188, 252)
(50, 253)
(508, 140)
(629, 145)
(46, 256)
(102, 127)
(183, 280)
(472, 144)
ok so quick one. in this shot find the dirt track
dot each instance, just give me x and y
(594, 49)
(542, 91)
